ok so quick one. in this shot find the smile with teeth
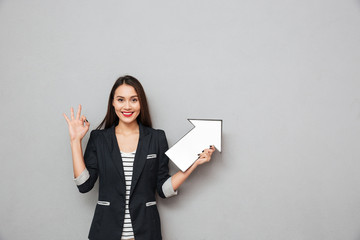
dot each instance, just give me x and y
(127, 114)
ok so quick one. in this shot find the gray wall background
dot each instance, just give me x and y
(283, 75)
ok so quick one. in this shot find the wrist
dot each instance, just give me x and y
(75, 141)
(195, 164)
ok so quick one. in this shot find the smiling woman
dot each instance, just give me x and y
(132, 88)
(128, 156)
(126, 103)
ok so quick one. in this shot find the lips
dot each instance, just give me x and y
(127, 114)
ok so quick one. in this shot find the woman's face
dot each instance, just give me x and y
(126, 103)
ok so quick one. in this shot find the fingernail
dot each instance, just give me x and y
(86, 120)
(199, 154)
(203, 151)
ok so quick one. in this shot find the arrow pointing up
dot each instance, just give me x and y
(206, 132)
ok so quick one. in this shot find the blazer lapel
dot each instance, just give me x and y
(140, 156)
(115, 153)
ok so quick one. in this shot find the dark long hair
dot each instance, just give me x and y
(111, 117)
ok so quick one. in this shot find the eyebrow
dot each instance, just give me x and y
(124, 97)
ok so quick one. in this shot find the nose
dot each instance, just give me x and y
(127, 105)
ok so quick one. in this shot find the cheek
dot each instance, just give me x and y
(116, 107)
(115, 104)
(137, 107)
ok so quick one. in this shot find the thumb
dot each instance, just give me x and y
(87, 123)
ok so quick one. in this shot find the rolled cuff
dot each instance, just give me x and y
(83, 177)
(168, 188)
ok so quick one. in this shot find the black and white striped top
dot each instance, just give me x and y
(128, 162)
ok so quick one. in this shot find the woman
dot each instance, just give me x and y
(129, 157)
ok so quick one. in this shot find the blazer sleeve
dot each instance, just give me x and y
(163, 171)
(91, 163)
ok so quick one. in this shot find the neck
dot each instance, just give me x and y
(126, 128)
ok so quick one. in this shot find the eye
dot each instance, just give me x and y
(134, 100)
(120, 100)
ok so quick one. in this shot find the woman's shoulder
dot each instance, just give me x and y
(156, 131)
(97, 132)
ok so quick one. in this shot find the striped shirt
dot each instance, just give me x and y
(128, 162)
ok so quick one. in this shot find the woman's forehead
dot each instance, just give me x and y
(125, 90)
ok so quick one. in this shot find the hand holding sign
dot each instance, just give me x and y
(206, 132)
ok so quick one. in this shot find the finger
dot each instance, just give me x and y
(78, 112)
(209, 150)
(66, 118)
(72, 113)
(204, 155)
(83, 119)
(206, 150)
(87, 123)
(212, 148)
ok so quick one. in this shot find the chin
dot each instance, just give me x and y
(128, 120)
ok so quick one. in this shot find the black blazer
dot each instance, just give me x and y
(102, 158)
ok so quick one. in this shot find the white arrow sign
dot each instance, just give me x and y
(206, 132)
